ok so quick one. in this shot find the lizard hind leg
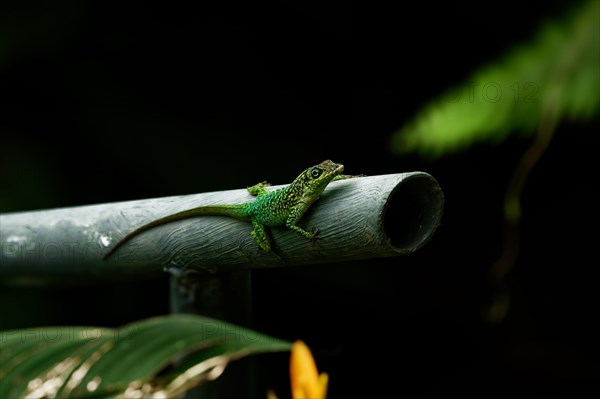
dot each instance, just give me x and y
(259, 189)
(261, 236)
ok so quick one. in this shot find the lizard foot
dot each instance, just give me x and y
(314, 235)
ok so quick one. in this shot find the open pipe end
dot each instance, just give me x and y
(413, 212)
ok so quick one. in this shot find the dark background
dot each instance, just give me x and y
(102, 103)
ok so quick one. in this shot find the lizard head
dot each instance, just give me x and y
(314, 179)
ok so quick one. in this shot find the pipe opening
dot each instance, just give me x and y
(413, 212)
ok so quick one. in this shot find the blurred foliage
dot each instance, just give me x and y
(160, 357)
(559, 68)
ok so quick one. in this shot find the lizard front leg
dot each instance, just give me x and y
(294, 217)
(344, 177)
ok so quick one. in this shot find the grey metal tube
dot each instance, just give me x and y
(359, 218)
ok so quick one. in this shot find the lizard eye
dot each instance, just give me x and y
(315, 172)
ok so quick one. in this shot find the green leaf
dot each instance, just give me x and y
(162, 356)
(559, 69)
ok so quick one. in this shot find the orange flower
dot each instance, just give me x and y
(306, 381)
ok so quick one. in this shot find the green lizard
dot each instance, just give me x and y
(284, 206)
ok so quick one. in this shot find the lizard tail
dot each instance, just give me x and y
(234, 211)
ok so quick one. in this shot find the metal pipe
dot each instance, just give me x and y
(358, 218)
